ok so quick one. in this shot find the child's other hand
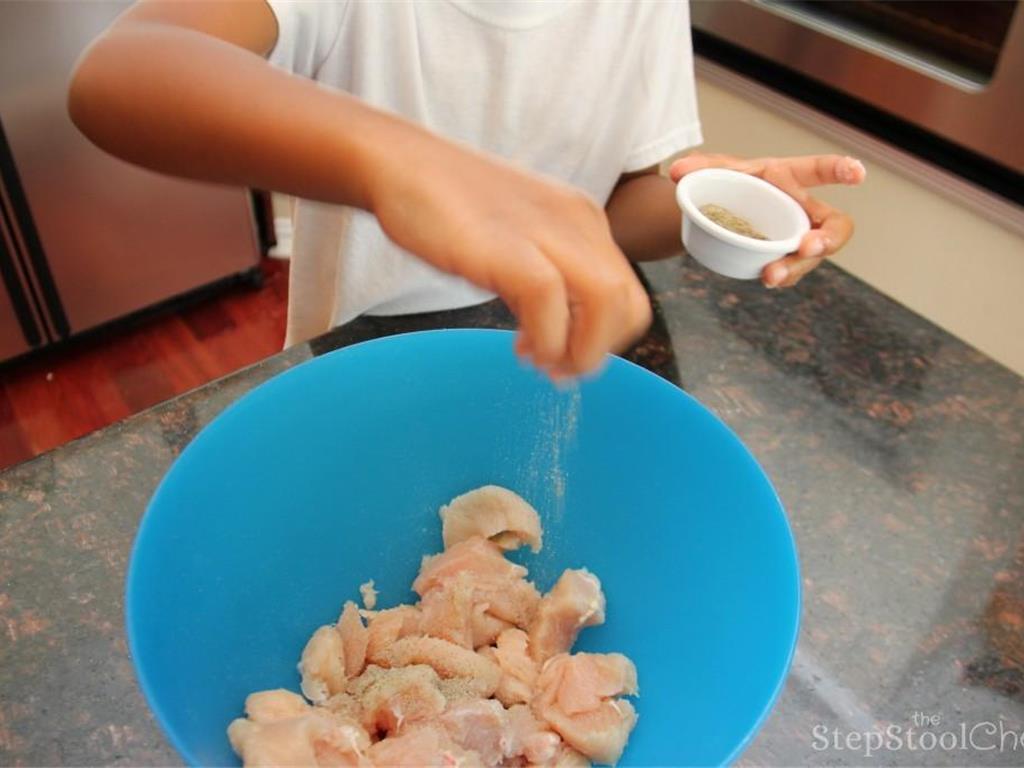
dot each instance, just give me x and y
(830, 228)
(545, 248)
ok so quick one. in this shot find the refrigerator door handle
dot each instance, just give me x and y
(26, 250)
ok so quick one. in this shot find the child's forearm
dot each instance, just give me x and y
(180, 101)
(181, 87)
(644, 217)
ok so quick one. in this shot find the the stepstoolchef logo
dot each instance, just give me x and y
(926, 732)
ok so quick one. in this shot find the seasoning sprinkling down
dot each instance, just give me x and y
(726, 218)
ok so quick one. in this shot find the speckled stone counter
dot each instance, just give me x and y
(897, 450)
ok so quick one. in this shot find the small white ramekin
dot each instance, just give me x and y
(769, 210)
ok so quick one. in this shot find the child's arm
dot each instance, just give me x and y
(644, 217)
(182, 88)
(646, 221)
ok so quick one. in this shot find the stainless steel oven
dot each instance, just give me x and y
(953, 69)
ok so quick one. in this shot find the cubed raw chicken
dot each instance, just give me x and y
(576, 696)
(476, 674)
(480, 726)
(529, 738)
(333, 655)
(494, 513)
(518, 668)
(390, 625)
(447, 610)
(426, 745)
(270, 706)
(354, 639)
(472, 611)
(576, 601)
(322, 665)
(477, 556)
(316, 738)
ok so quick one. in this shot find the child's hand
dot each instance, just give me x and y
(830, 228)
(545, 248)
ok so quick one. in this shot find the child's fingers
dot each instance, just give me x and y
(698, 161)
(788, 271)
(609, 307)
(790, 173)
(818, 170)
(829, 225)
(815, 247)
(523, 347)
(536, 293)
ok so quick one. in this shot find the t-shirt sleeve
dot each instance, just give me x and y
(307, 30)
(668, 121)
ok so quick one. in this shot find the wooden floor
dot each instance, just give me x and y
(50, 399)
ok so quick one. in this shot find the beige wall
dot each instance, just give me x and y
(960, 269)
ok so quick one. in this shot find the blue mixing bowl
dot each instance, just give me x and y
(332, 473)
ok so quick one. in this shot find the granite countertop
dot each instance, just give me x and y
(897, 450)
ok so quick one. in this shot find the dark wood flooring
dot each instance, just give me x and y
(52, 398)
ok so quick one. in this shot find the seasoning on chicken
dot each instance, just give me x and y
(447, 659)
(390, 698)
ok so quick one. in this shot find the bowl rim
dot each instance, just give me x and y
(145, 685)
(798, 214)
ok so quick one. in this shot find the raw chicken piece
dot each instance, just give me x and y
(390, 625)
(529, 738)
(419, 747)
(472, 612)
(590, 678)
(494, 513)
(574, 696)
(369, 595)
(323, 665)
(447, 659)
(518, 669)
(390, 698)
(316, 738)
(354, 639)
(447, 610)
(484, 627)
(332, 655)
(568, 757)
(576, 601)
(270, 706)
(475, 555)
(479, 726)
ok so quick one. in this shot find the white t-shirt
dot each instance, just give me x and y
(583, 91)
